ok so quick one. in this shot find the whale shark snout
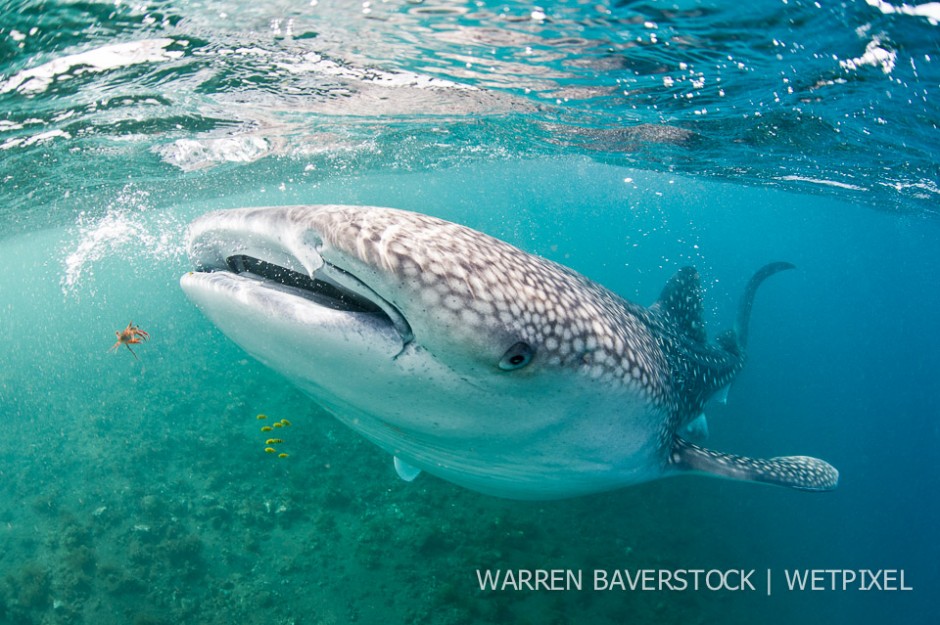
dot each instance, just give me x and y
(470, 359)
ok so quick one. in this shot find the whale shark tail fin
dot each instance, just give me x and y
(747, 299)
(799, 472)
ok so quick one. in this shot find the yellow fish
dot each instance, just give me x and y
(282, 455)
(278, 425)
(261, 417)
(285, 422)
(273, 441)
(269, 450)
(266, 428)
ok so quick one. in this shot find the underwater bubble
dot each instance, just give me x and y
(127, 230)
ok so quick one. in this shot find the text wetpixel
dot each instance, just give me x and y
(846, 579)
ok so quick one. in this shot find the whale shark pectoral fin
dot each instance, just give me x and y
(405, 471)
(800, 472)
(696, 429)
(722, 395)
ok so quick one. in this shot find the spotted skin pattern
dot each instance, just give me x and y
(479, 283)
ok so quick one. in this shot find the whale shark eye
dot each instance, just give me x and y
(516, 357)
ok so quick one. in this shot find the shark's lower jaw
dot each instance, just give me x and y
(282, 325)
(267, 287)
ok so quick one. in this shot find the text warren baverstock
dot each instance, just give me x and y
(735, 580)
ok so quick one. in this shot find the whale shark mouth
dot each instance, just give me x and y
(321, 292)
(295, 270)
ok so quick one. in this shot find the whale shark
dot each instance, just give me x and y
(472, 360)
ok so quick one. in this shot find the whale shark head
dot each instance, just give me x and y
(458, 353)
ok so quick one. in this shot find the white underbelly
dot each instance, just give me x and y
(588, 454)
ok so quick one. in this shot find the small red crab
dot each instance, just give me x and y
(127, 336)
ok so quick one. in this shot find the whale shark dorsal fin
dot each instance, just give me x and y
(800, 472)
(680, 304)
(405, 471)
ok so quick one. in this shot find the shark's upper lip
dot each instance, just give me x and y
(291, 264)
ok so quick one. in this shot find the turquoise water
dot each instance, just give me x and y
(624, 140)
